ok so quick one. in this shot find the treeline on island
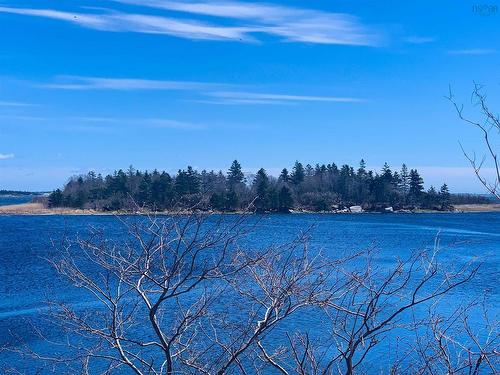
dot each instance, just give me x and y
(318, 188)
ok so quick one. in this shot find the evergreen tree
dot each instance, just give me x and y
(362, 169)
(444, 197)
(309, 170)
(187, 182)
(273, 202)
(344, 182)
(181, 183)
(298, 173)
(285, 200)
(161, 190)
(431, 197)
(405, 180)
(217, 201)
(193, 180)
(232, 201)
(144, 194)
(261, 186)
(235, 175)
(416, 186)
(284, 176)
(333, 169)
(387, 173)
(56, 198)
(396, 181)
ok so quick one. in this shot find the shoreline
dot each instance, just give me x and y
(37, 209)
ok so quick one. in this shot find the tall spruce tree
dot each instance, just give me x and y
(261, 186)
(144, 195)
(444, 197)
(193, 180)
(284, 176)
(298, 173)
(362, 169)
(405, 180)
(235, 175)
(431, 198)
(416, 186)
(56, 198)
(285, 199)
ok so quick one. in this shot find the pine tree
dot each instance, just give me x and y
(181, 183)
(309, 170)
(396, 180)
(416, 186)
(345, 182)
(261, 186)
(217, 201)
(284, 176)
(444, 197)
(298, 173)
(387, 173)
(144, 194)
(405, 180)
(193, 180)
(285, 200)
(431, 197)
(235, 175)
(232, 201)
(362, 169)
(56, 198)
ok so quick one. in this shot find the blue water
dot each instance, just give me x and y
(28, 280)
(6, 200)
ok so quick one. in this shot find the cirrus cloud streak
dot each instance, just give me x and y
(249, 22)
(6, 156)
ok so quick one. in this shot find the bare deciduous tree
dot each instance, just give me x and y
(373, 303)
(489, 125)
(449, 345)
(190, 295)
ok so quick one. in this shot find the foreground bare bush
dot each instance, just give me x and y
(190, 295)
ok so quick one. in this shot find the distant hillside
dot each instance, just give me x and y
(467, 198)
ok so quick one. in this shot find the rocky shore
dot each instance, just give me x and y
(40, 209)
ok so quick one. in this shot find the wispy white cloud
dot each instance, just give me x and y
(420, 39)
(251, 20)
(103, 83)
(226, 9)
(128, 22)
(174, 124)
(6, 156)
(234, 97)
(150, 122)
(472, 51)
(107, 123)
(15, 104)
(22, 118)
(204, 92)
(292, 24)
(227, 101)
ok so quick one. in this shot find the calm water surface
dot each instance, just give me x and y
(7, 200)
(27, 279)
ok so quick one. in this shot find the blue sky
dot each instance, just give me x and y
(162, 84)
